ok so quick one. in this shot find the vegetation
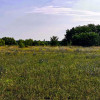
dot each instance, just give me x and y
(45, 70)
(87, 35)
(55, 73)
(54, 41)
(86, 39)
(2, 42)
(89, 29)
(39, 43)
(9, 41)
(21, 43)
(28, 42)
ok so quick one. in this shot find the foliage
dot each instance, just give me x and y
(86, 39)
(81, 29)
(54, 41)
(9, 41)
(63, 42)
(28, 42)
(73, 36)
(21, 43)
(2, 42)
(38, 43)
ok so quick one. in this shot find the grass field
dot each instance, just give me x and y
(50, 73)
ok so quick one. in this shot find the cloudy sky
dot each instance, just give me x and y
(41, 19)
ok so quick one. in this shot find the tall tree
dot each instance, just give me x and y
(9, 41)
(28, 42)
(54, 41)
(81, 29)
(2, 42)
(86, 39)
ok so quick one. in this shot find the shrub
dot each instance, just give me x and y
(9, 41)
(54, 41)
(28, 42)
(86, 39)
(21, 43)
(2, 42)
(63, 42)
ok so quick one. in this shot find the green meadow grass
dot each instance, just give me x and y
(50, 73)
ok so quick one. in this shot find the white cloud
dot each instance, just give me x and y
(63, 11)
(77, 15)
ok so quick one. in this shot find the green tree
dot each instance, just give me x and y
(21, 43)
(98, 29)
(54, 41)
(69, 34)
(9, 41)
(86, 39)
(28, 42)
(2, 42)
(92, 27)
(81, 29)
(63, 42)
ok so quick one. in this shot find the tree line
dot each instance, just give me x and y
(29, 42)
(87, 35)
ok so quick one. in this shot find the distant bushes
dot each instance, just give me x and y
(40, 43)
(28, 42)
(2, 42)
(85, 39)
(54, 41)
(21, 43)
(87, 35)
(9, 41)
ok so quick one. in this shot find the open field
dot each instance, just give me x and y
(55, 73)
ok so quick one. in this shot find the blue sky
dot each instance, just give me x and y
(41, 19)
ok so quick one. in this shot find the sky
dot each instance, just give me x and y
(42, 19)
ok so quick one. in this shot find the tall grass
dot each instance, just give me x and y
(55, 73)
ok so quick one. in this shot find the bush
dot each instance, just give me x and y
(9, 41)
(54, 41)
(86, 39)
(28, 42)
(63, 42)
(2, 42)
(21, 43)
(41, 43)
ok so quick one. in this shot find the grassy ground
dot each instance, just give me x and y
(55, 73)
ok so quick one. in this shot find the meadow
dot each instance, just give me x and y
(49, 73)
